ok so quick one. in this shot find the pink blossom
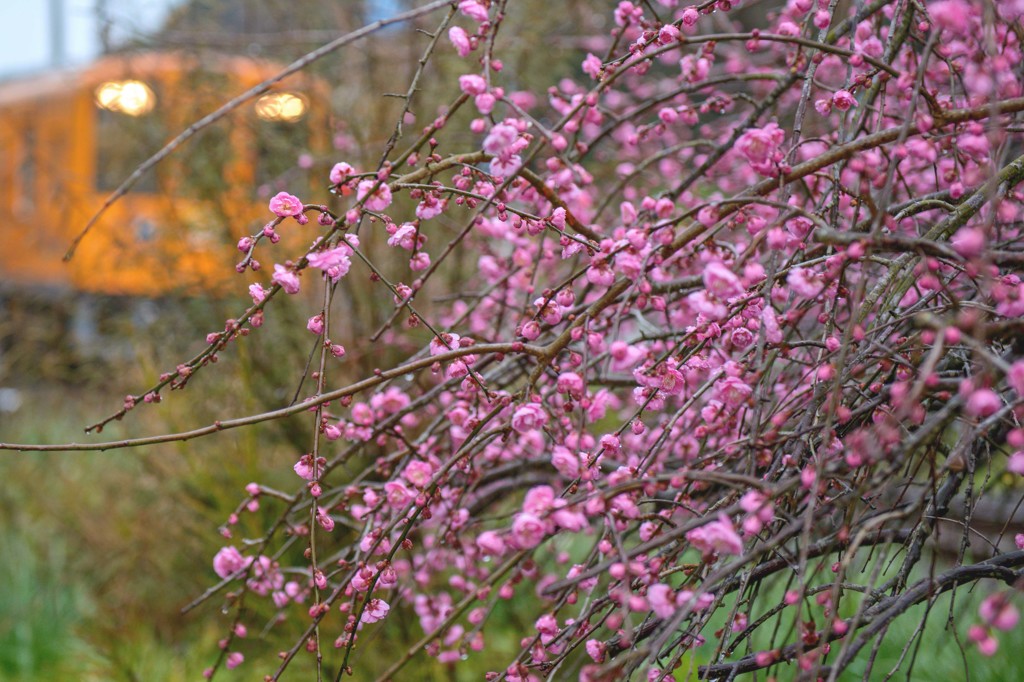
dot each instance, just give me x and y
(717, 537)
(804, 282)
(734, 391)
(1015, 464)
(761, 147)
(571, 383)
(721, 281)
(228, 561)
(951, 15)
(773, 333)
(547, 627)
(341, 173)
(662, 600)
(987, 644)
(472, 84)
(528, 530)
(756, 504)
(233, 660)
(287, 279)
(983, 402)
(379, 199)
(398, 495)
(324, 519)
(376, 609)
(843, 100)
(528, 417)
(418, 473)
(969, 242)
(334, 262)
(998, 612)
(539, 499)
(565, 461)
(444, 343)
(419, 261)
(596, 650)
(460, 39)
(266, 576)
(500, 139)
(1015, 377)
(490, 543)
(284, 205)
(430, 208)
(592, 66)
(304, 467)
(258, 293)
(474, 10)
(406, 237)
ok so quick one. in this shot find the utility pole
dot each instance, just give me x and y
(58, 54)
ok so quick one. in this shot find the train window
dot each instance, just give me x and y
(128, 131)
(203, 161)
(24, 200)
(7, 164)
(200, 166)
(278, 146)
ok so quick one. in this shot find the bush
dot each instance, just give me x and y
(699, 363)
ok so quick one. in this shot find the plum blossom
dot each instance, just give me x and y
(460, 40)
(500, 138)
(804, 282)
(843, 100)
(969, 242)
(734, 391)
(951, 15)
(490, 543)
(987, 644)
(334, 262)
(997, 611)
(266, 576)
(762, 148)
(528, 417)
(474, 10)
(376, 609)
(983, 402)
(717, 537)
(377, 199)
(258, 293)
(228, 561)
(528, 530)
(341, 172)
(662, 600)
(285, 205)
(324, 519)
(472, 84)
(592, 66)
(721, 281)
(444, 343)
(288, 280)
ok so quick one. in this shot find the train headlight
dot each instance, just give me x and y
(130, 97)
(281, 106)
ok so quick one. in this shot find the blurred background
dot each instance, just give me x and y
(100, 551)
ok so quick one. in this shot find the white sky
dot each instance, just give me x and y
(25, 29)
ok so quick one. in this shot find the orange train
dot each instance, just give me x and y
(67, 139)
